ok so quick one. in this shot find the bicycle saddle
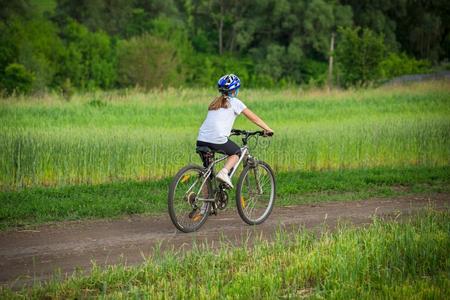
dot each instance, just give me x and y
(204, 149)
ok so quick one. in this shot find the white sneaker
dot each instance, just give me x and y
(223, 176)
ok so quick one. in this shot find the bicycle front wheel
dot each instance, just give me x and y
(255, 193)
(187, 209)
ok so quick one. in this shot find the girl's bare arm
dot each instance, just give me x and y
(255, 119)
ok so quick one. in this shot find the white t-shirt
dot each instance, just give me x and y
(218, 123)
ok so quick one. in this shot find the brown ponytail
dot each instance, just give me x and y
(219, 102)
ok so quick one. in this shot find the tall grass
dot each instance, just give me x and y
(407, 260)
(116, 136)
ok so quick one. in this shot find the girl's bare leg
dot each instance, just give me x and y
(231, 162)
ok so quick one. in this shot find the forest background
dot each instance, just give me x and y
(68, 46)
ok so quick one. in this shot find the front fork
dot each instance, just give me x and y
(254, 169)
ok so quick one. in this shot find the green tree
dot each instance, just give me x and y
(17, 79)
(418, 28)
(89, 59)
(273, 62)
(111, 16)
(379, 16)
(8, 47)
(318, 23)
(425, 36)
(301, 34)
(148, 61)
(17, 8)
(33, 43)
(123, 18)
(359, 55)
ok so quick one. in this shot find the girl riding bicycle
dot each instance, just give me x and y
(216, 128)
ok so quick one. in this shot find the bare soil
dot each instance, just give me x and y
(27, 256)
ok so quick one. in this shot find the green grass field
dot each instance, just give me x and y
(38, 205)
(107, 154)
(123, 136)
(113, 153)
(406, 260)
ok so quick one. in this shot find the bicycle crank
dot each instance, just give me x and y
(221, 199)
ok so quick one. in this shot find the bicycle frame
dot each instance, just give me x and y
(209, 171)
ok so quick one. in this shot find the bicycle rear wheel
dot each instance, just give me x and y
(255, 193)
(186, 211)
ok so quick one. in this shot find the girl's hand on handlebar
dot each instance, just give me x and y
(268, 132)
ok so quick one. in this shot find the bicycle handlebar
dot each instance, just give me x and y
(250, 133)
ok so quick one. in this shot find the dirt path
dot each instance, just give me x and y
(30, 255)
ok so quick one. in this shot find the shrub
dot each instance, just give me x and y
(17, 79)
(359, 55)
(148, 61)
(397, 64)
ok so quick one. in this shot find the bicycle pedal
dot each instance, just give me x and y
(197, 217)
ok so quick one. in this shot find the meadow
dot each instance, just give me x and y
(106, 154)
(32, 206)
(127, 135)
(112, 153)
(386, 260)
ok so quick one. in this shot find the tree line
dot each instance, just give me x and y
(104, 44)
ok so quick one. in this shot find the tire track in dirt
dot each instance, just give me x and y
(33, 255)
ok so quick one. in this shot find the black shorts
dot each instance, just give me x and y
(229, 148)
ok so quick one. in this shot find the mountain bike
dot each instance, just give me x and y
(195, 193)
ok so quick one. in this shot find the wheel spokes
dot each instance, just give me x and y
(189, 210)
(257, 191)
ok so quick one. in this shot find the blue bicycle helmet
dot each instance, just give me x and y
(228, 83)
